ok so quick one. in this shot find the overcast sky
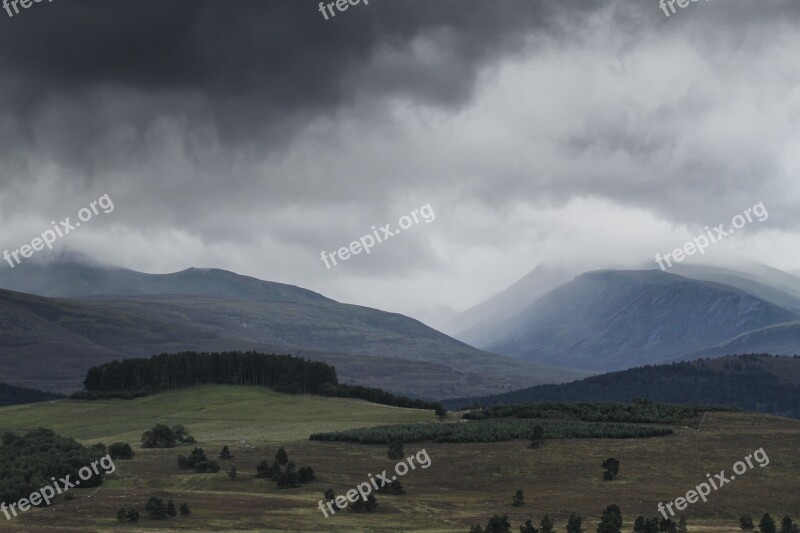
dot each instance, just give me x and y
(253, 135)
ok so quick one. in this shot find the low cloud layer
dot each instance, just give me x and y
(253, 135)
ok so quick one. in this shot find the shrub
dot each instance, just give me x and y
(120, 450)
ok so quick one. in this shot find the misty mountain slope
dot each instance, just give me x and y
(78, 277)
(780, 339)
(609, 320)
(756, 285)
(753, 382)
(483, 324)
(50, 344)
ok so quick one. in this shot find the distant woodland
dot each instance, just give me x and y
(754, 382)
(284, 373)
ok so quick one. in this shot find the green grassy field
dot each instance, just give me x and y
(466, 483)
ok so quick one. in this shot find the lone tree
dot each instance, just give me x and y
(133, 515)
(395, 487)
(330, 494)
(787, 526)
(395, 451)
(537, 436)
(611, 466)
(611, 520)
(767, 524)
(746, 523)
(574, 523)
(156, 509)
(281, 456)
(519, 498)
(160, 436)
(171, 508)
(666, 525)
(234, 473)
(225, 454)
(546, 525)
(185, 510)
(120, 450)
(364, 506)
(441, 412)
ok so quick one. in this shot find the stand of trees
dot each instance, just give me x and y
(492, 430)
(639, 412)
(131, 378)
(28, 462)
(285, 472)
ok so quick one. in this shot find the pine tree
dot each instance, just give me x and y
(185, 510)
(281, 456)
(611, 520)
(171, 508)
(746, 523)
(498, 524)
(395, 451)
(682, 525)
(234, 473)
(537, 436)
(611, 466)
(330, 494)
(121, 514)
(546, 524)
(767, 524)
(133, 515)
(667, 526)
(225, 454)
(787, 526)
(574, 523)
(156, 509)
(519, 498)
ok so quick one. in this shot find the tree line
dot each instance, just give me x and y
(639, 412)
(130, 378)
(491, 430)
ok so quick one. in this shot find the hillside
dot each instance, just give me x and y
(10, 395)
(611, 320)
(465, 483)
(752, 382)
(73, 276)
(481, 324)
(50, 343)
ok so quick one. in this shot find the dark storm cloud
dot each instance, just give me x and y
(244, 68)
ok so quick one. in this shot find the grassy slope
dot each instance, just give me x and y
(465, 483)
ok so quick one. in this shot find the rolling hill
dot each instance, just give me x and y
(255, 421)
(50, 343)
